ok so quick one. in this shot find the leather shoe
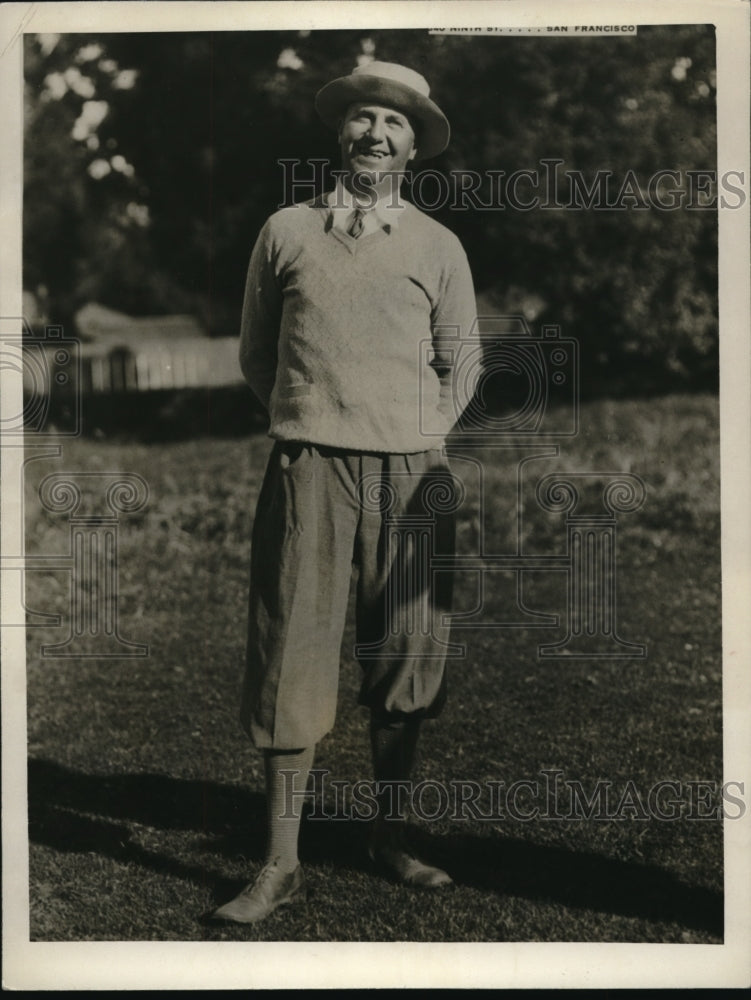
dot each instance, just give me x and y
(271, 888)
(399, 863)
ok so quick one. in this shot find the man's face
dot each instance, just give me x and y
(375, 140)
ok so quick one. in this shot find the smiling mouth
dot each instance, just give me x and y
(371, 154)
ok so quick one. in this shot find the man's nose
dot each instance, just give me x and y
(377, 131)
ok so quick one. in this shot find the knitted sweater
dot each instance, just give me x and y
(351, 343)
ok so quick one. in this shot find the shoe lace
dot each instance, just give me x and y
(269, 869)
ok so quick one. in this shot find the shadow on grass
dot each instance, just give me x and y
(577, 879)
(74, 812)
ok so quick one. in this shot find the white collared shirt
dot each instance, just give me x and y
(385, 213)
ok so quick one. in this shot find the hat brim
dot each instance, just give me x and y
(434, 132)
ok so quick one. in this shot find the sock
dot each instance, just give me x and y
(283, 810)
(394, 745)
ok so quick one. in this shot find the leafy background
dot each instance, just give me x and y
(152, 162)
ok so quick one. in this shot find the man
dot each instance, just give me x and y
(343, 295)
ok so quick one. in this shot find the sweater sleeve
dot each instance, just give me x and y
(453, 322)
(261, 318)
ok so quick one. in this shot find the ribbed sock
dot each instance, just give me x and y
(394, 746)
(284, 810)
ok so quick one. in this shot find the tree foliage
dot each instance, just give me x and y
(155, 207)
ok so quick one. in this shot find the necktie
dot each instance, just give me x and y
(355, 227)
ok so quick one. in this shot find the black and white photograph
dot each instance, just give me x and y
(376, 446)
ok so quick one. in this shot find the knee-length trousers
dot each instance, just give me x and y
(320, 512)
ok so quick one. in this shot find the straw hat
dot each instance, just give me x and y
(394, 86)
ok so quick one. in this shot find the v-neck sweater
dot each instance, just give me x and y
(353, 343)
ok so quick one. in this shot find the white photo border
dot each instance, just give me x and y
(212, 965)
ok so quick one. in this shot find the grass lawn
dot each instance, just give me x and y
(146, 801)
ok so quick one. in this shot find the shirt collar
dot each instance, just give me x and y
(341, 202)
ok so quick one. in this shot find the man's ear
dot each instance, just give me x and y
(413, 154)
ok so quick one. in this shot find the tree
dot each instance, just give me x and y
(192, 148)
